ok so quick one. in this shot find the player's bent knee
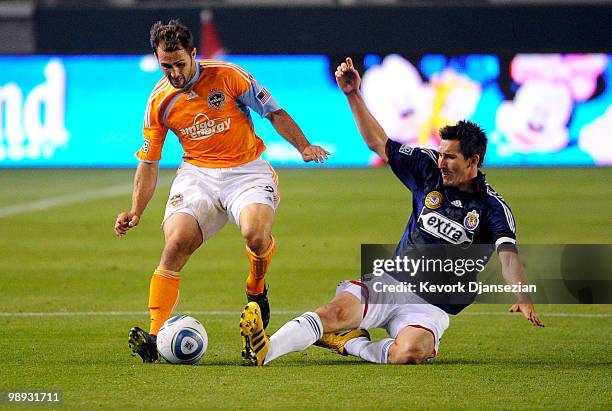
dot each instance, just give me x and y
(333, 316)
(182, 234)
(407, 355)
(257, 240)
(180, 247)
(258, 244)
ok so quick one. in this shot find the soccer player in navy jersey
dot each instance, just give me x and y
(452, 204)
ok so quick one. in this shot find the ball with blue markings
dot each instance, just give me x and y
(182, 340)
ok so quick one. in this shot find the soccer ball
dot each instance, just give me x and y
(182, 340)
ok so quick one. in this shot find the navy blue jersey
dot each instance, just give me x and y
(446, 215)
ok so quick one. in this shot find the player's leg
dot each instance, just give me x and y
(182, 237)
(415, 331)
(192, 216)
(412, 328)
(256, 222)
(250, 195)
(413, 345)
(357, 342)
(343, 312)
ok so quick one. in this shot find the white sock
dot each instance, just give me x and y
(296, 335)
(372, 351)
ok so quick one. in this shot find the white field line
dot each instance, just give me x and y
(123, 313)
(280, 312)
(52, 202)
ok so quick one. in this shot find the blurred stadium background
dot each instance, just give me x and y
(536, 75)
(74, 79)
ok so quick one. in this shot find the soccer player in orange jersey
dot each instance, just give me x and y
(206, 104)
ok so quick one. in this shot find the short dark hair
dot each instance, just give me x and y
(171, 37)
(472, 138)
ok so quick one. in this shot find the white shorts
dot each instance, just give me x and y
(214, 195)
(394, 317)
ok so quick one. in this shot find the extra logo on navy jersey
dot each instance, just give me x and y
(443, 227)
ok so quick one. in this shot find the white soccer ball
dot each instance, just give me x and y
(182, 340)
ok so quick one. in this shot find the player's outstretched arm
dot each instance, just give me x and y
(285, 126)
(513, 273)
(348, 80)
(145, 181)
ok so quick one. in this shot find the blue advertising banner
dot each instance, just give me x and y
(87, 111)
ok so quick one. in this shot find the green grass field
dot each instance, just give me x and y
(66, 259)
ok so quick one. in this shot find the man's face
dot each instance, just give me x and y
(456, 169)
(178, 66)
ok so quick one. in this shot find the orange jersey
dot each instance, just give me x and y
(210, 116)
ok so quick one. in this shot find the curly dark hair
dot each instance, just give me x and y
(472, 138)
(171, 37)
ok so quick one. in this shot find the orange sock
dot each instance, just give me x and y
(163, 296)
(259, 266)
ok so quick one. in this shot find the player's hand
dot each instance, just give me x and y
(314, 153)
(347, 77)
(528, 312)
(125, 221)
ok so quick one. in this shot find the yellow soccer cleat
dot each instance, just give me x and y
(254, 339)
(335, 341)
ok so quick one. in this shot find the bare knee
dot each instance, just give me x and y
(335, 317)
(179, 247)
(407, 355)
(257, 240)
(331, 313)
(177, 251)
(182, 237)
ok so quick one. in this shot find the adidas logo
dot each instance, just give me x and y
(457, 203)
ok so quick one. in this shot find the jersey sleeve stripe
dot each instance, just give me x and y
(161, 103)
(169, 107)
(507, 212)
(160, 84)
(156, 92)
(242, 74)
(228, 64)
(430, 154)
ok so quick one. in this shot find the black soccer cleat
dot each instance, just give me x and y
(264, 305)
(143, 344)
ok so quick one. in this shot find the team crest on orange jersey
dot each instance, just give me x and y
(216, 99)
(433, 200)
(176, 200)
(471, 220)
